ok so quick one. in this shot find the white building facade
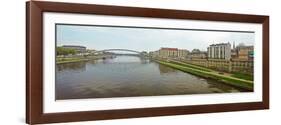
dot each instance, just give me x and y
(219, 51)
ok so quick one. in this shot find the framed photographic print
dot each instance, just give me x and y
(95, 62)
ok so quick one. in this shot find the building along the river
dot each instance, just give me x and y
(182, 53)
(168, 52)
(245, 52)
(79, 49)
(220, 51)
(197, 54)
(222, 58)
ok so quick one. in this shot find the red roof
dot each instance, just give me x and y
(172, 49)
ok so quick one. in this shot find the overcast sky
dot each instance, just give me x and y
(140, 39)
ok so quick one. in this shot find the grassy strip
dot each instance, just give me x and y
(243, 76)
(241, 83)
(191, 66)
(235, 74)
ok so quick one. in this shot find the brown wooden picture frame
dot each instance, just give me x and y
(34, 61)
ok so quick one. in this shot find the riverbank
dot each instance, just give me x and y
(235, 74)
(208, 73)
(78, 59)
(70, 60)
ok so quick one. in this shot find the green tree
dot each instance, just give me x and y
(65, 51)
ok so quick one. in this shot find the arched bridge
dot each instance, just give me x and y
(124, 50)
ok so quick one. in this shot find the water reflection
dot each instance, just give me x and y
(164, 69)
(77, 66)
(127, 76)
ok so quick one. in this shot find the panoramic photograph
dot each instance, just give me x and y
(98, 61)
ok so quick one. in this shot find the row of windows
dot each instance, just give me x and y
(217, 51)
(225, 63)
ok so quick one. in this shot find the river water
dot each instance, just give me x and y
(129, 76)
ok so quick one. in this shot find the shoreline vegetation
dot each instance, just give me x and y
(230, 79)
(63, 60)
(70, 60)
(239, 80)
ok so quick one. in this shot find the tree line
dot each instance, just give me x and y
(65, 51)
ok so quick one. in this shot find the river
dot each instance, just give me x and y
(129, 76)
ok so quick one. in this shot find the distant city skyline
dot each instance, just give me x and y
(146, 39)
